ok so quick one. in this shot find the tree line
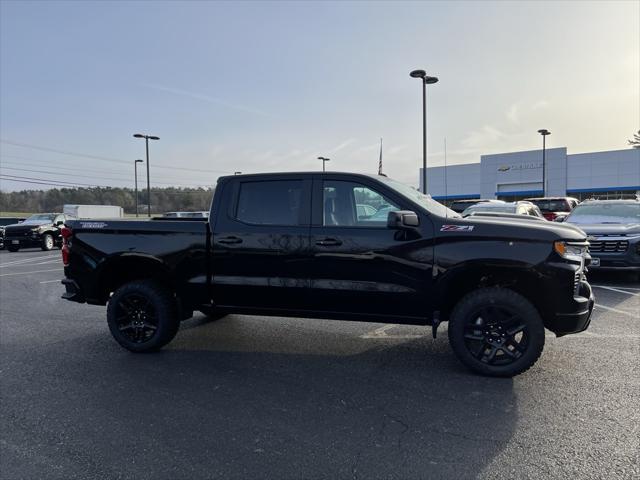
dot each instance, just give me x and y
(162, 199)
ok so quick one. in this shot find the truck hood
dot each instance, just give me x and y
(26, 225)
(513, 228)
(611, 228)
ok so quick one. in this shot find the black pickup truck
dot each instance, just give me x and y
(39, 230)
(301, 244)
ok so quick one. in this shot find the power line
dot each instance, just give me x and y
(60, 183)
(72, 169)
(91, 176)
(105, 159)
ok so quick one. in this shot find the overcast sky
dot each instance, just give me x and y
(270, 86)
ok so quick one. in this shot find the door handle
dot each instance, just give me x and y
(229, 240)
(329, 242)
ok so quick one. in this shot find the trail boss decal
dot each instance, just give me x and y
(456, 228)
(93, 224)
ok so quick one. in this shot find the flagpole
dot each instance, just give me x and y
(380, 161)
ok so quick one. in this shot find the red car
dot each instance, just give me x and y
(551, 207)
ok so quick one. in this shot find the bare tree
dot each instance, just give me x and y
(635, 141)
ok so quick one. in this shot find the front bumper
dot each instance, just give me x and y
(578, 319)
(22, 242)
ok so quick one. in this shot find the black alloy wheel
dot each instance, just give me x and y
(142, 316)
(495, 335)
(497, 332)
(136, 317)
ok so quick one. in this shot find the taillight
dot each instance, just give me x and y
(66, 233)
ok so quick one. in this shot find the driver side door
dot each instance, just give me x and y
(358, 265)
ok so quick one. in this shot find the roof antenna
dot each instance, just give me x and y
(446, 196)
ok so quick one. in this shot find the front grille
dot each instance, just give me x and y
(608, 246)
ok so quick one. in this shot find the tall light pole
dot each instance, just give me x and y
(544, 132)
(324, 160)
(135, 169)
(425, 80)
(146, 139)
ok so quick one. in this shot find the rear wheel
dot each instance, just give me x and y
(47, 242)
(142, 316)
(496, 332)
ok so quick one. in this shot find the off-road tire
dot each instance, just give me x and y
(465, 332)
(160, 310)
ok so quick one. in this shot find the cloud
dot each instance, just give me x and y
(206, 98)
(342, 145)
(513, 114)
(540, 104)
(487, 136)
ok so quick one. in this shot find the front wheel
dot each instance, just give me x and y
(11, 248)
(496, 332)
(47, 242)
(142, 316)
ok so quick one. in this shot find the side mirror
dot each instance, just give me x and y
(402, 219)
(559, 219)
(59, 222)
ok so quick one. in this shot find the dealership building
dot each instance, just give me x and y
(518, 175)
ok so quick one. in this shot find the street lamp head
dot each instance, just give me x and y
(544, 132)
(418, 74)
(139, 161)
(153, 138)
(429, 80)
(138, 135)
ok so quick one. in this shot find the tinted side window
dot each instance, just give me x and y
(353, 204)
(276, 202)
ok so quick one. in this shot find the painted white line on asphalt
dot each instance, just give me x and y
(51, 281)
(26, 260)
(623, 312)
(27, 273)
(617, 290)
(48, 262)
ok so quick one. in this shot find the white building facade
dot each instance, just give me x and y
(517, 175)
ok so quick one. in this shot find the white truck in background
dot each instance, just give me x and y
(93, 211)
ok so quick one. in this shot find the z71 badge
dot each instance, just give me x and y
(456, 228)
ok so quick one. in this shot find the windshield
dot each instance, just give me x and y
(39, 218)
(606, 213)
(490, 208)
(552, 205)
(420, 198)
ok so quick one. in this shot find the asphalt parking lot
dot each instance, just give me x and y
(255, 397)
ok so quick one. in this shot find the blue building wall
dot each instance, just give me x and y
(520, 174)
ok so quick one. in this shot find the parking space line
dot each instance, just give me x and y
(611, 309)
(26, 260)
(617, 290)
(27, 273)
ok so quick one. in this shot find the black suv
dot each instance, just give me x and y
(39, 230)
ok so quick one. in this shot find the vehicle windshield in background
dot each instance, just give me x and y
(420, 198)
(39, 218)
(552, 205)
(605, 213)
(490, 208)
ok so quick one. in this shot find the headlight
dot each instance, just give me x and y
(573, 251)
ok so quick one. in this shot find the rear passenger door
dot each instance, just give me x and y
(261, 242)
